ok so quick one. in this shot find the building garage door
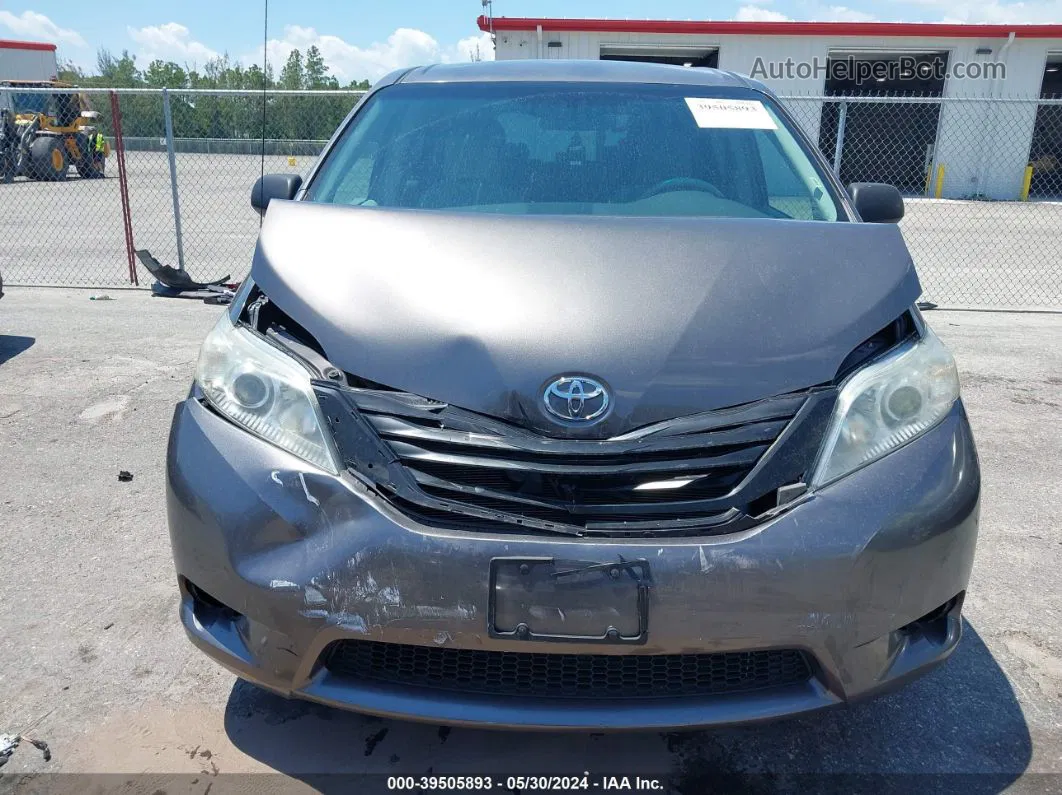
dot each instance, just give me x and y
(676, 55)
(883, 141)
(1045, 155)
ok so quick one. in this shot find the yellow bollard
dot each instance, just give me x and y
(1026, 183)
(291, 161)
(940, 183)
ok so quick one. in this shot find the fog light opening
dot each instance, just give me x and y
(204, 605)
(934, 624)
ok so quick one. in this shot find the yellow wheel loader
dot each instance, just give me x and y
(51, 132)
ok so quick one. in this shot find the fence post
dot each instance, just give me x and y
(839, 146)
(168, 117)
(123, 186)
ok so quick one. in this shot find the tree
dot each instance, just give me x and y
(316, 70)
(165, 74)
(118, 72)
(293, 76)
(286, 118)
(70, 72)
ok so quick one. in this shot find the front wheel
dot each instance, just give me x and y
(48, 159)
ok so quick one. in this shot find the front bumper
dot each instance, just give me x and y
(299, 559)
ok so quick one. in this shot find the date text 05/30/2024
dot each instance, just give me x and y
(523, 783)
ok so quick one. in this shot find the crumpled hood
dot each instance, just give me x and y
(676, 316)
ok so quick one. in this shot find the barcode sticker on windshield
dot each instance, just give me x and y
(731, 114)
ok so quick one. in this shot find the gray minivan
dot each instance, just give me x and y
(574, 395)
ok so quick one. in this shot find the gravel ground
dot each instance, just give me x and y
(95, 660)
(968, 253)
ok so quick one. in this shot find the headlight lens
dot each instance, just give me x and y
(266, 391)
(886, 404)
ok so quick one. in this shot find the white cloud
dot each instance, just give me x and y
(404, 47)
(169, 42)
(816, 12)
(31, 25)
(757, 14)
(475, 48)
(995, 12)
(842, 14)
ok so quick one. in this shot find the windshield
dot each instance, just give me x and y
(574, 149)
(31, 103)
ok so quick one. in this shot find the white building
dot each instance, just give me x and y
(980, 133)
(27, 60)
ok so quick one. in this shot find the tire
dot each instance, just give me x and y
(48, 159)
(89, 165)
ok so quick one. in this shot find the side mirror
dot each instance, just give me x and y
(274, 186)
(876, 202)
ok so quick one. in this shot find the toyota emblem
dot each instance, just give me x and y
(576, 399)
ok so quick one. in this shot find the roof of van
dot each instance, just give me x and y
(573, 71)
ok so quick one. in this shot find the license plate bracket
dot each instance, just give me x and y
(565, 601)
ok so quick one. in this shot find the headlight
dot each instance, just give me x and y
(887, 404)
(266, 391)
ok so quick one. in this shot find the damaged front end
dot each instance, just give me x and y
(410, 552)
(712, 472)
(708, 473)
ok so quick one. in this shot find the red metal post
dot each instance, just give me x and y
(123, 184)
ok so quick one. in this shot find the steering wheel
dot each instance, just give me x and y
(681, 183)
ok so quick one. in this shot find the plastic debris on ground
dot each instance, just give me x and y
(174, 283)
(8, 744)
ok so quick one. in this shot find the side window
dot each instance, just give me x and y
(785, 190)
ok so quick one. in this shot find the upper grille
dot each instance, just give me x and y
(458, 466)
(567, 675)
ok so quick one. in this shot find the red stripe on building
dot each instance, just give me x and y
(8, 44)
(734, 28)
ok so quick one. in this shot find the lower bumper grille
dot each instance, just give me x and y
(567, 675)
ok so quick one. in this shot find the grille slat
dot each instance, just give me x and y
(539, 448)
(744, 457)
(445, 465)
(584, 676)
(490, 498)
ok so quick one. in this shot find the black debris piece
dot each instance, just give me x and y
(41, 746)
(124, 476)
(374, 740)
(173, 278)
(174, 283)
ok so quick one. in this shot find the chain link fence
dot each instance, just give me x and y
(189, 159)
(983, 181)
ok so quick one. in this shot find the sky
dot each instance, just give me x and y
(365, 40)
